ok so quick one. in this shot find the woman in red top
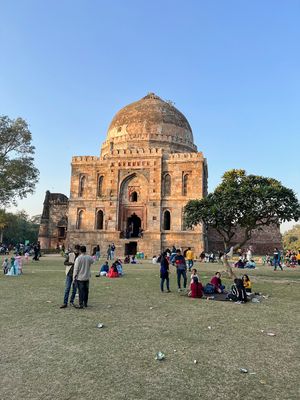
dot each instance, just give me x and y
(113, 272)
(196, 288)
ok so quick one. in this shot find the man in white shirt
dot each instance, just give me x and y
(82, 274)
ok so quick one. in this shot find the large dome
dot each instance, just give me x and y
(149, 122)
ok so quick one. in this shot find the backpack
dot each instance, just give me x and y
(209, 289)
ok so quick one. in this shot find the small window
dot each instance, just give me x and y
(133, 197)
(82, 186)
(167, 185)
(100, 186)
(185, 181)
(99, 219)
(80, 219)
(167, 221)
(61, 232)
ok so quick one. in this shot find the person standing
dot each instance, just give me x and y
(82, 274)
(180, 265)
(109, 252)
(69, 263)
(190, 258)
(276, 259)
(164, 272)
(112, 251)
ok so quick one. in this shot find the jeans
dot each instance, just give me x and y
(83, 289)
(162, 281)
(276, 263)
(183, 273)
(69, 280)
(190, 264)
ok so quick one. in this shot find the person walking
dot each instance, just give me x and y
(181, 269)
(69, 263)
(276, 259)
(82, 274)
(190, 258)
(164, 272)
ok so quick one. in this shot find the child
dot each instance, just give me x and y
(247, 283)
(18, 264)
(194, 274)
(5, 266)
(196, 288)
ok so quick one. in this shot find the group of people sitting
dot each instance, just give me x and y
(238, 292)
(114, 271)
(243, 262)
(14, 266)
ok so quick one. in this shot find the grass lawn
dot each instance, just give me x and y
(49, 353)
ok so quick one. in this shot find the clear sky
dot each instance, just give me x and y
(232, 67)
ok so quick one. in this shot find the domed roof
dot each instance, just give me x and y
(149, 122)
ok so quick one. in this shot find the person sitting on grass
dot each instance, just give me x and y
(250, 264)
(127, 260)
(196, 288)
(133, 260)
(119, 267)
(113, 271)
(247, 283)
(240, 263)
(194, 274)
(238, 293)
(103, 270)
(217, 283)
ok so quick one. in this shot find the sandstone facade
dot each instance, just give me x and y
(134, 193)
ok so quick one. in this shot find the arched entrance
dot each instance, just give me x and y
(134, 224)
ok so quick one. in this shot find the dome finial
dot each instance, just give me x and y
(151, 95)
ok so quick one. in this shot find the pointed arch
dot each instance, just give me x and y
(80, 219)
(167, 185)
(99, 220)
(100, 185)
(185, 182)
(167, 220)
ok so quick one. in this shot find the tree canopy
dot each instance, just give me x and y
(243, 201)
(291, 238)
(18, 175)
(18, 227)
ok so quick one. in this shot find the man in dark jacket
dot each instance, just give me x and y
(180, 265)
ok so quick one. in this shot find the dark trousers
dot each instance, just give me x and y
(162, 281)
(83, 289)
(69, 284)
(181, 272)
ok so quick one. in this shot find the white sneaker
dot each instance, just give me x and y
(179, 290)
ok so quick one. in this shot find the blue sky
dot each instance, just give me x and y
(232, 67)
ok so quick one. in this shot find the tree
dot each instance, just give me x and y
(19, 228)
(291, 238)
(247, 202)
(18, 175)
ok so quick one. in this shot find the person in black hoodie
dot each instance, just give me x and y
(238, 292)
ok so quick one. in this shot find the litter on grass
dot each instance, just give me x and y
(255, 300)
(271, 334)
(48, 301)
(160, 356)
(209, 327)
(243, 370)
(99, 326)
(195, 361)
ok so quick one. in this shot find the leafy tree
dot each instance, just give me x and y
(291, 238)
(19, 228)
(18, 174)
(247, 202)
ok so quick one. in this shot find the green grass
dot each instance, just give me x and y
(48, 353)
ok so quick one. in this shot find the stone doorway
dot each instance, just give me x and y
(130, 249)
(134, 224)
